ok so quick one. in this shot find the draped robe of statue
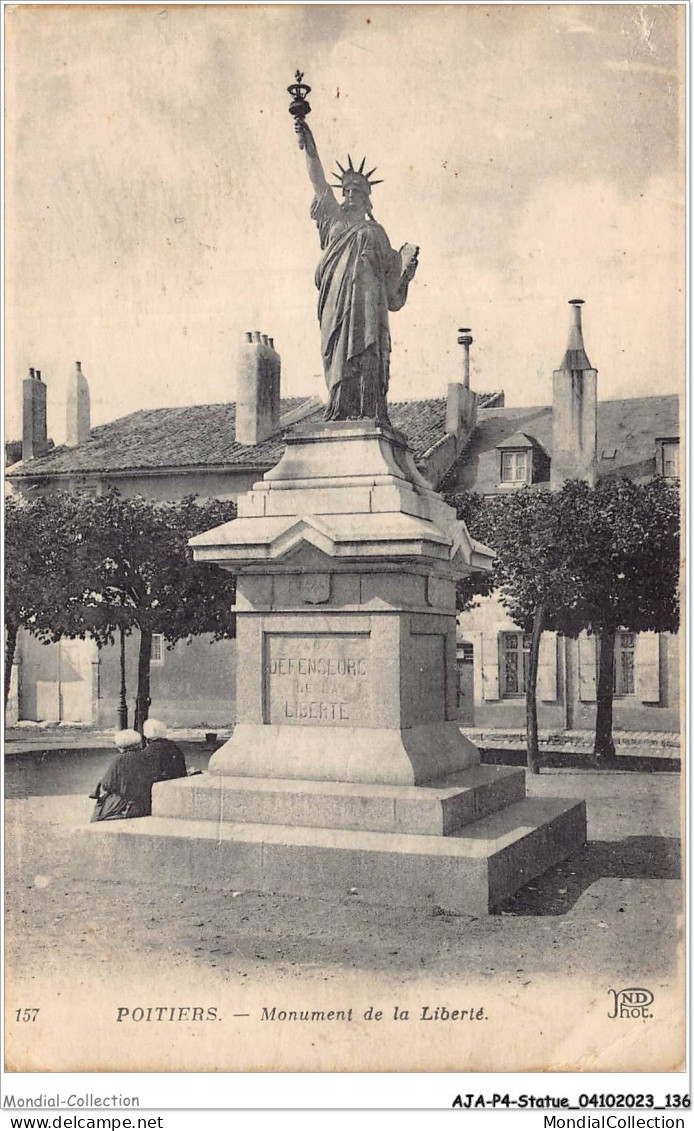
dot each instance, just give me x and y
(359, 281)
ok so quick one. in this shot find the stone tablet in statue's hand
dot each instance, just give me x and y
(408, 262)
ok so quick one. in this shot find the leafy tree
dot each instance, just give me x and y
(628, 561)
(78, 566)
(136, 571)
(533, 533)
(582, 558)
(39, 572)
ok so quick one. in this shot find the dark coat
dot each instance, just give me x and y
(125, 790)
(171, 763)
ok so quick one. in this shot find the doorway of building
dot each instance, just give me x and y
(63, 686)
(465, 666)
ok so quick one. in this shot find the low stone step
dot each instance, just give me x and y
(438, 810)
(471, 872)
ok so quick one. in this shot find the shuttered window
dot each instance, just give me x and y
(515, 665)
(547, 689)
(647, 667)
(514, 467)
(489, 667)
(624, 682)
(515, 657)
(587, 668)
(670, 459)
(636, 663)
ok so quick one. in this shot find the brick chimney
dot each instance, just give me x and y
(257, 389)
(461, 402)
(34, 432)
(78, 419)
(574, 410)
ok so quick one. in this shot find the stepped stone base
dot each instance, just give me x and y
(465, 844)
(437, 810)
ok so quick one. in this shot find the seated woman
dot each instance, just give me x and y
(125, 790)
(172, 763)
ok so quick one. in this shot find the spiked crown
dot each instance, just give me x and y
(353, 176)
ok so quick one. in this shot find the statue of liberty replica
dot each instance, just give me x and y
(346, 708)
(360, 278)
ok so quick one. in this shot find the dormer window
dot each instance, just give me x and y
(668, 459)
(522, 460)
(514, 468)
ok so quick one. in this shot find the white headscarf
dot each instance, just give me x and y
(153, 728)
(126, 739)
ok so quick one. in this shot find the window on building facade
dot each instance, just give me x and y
(157, 648)
(514, 467)
(670, 459)
(624, 649)
(515, 659)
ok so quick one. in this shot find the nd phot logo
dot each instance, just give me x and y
(632, 1003)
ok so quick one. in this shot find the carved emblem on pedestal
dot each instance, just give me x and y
(315, 588)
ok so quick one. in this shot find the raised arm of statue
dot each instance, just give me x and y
(313, 162)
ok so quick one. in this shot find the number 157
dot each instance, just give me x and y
(26, 1014)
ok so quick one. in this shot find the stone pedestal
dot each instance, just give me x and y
(345, 615)
(347, 768)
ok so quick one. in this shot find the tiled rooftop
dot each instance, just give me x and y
(205, 436)
(185, 437)
(628, 428)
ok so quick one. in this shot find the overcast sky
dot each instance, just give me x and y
(158, 205)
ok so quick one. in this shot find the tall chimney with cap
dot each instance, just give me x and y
(574, 410)
(465, 340)
(461, 402)
(257, 389)
(34, 429)
(275, 366)
(78, 408)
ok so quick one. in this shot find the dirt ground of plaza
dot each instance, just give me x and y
(610, 914)
(615, 903)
